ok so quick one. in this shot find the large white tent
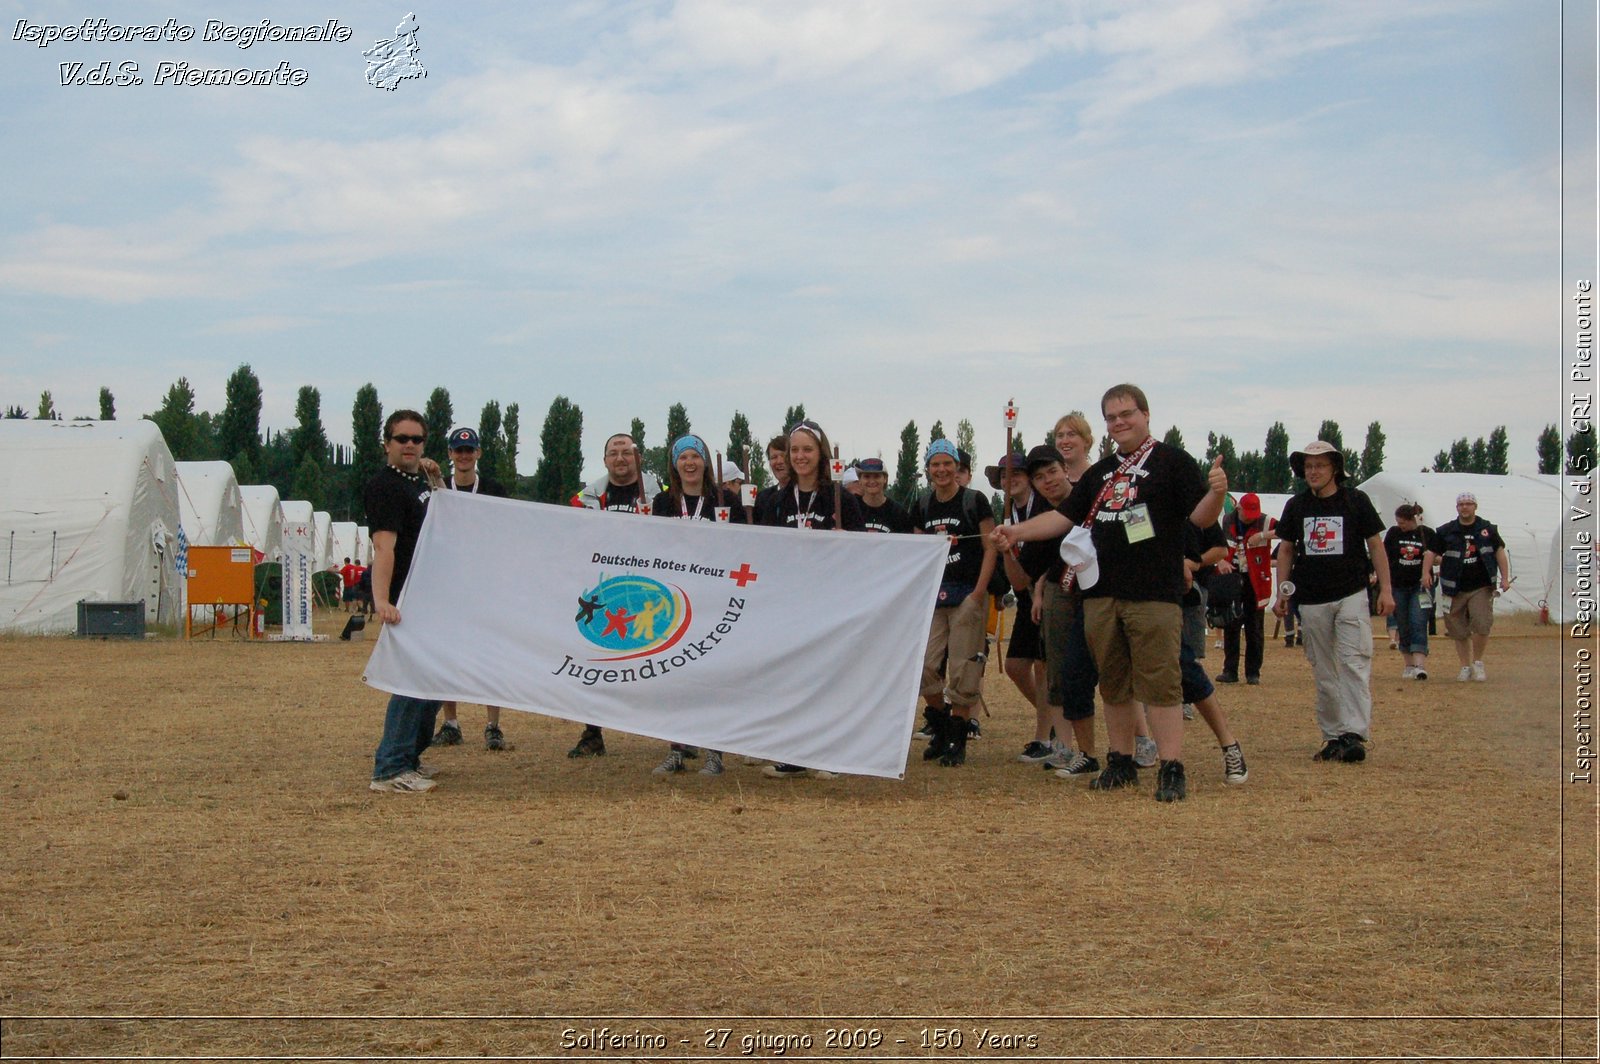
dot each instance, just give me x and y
(209, 504)
(263, 519)
(322, 554)
(1532, 513)
(88, 511)
(344, 542)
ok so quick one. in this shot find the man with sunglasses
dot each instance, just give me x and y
(397, 504)
(465, 451)
(1135, 503)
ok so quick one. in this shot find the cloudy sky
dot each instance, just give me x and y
(888, 210)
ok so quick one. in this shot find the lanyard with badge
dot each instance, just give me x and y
(1135, 521)
(804, 518)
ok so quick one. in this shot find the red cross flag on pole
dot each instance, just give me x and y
(838, 468)
(1011, 414)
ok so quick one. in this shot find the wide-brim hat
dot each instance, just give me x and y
(1297, 460)
(1010, 461)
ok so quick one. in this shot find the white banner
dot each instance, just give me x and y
(804, 647)
(297, 571)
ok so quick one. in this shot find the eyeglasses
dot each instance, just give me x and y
(1122, 415)
(399, 438)
(456, 450)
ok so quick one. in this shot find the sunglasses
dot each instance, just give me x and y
(399, 438)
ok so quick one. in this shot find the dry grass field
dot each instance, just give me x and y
(189, 834)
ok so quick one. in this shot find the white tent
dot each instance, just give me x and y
(344, 542)
(363, 545)
(209, 504)
(1531, 513)
(263, 519)
(88, 510)
(297, 513)
(322, 555)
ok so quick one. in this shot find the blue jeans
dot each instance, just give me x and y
(1410, 624)
(407, 731)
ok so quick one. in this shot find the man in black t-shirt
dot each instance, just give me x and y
(465, 451)
(624, 489)
(397, 504)
(1134, 503)
(960, 615)
(1406, 546)
(1328, 535)
(1471, 555)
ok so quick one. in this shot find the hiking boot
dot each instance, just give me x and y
(1253, 681)
(1332, 750)
(1478, 672)
(713, 765)
(1120, 771)
(449, 734)
(592, 743)
(1144, 751)
(1171, 786)
(1234, 769)
(955, 749)
(1227, 677)
(673, 762)
(494, 738)
(406, 782)
(783, 771)
(1079, 767)
(1355, 748)
(1035, 752)
(938, 718)
(1288, 640)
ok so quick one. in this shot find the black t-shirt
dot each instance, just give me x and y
(1330, 543)
(790, 507)
(627, 498)
(1196, 541)
(959, 516)
(1168, 485)
(1029, 556)
(1405, 554)
(701, 507)
(483, 484)
(890, 517)
(766, 499)
(397, 502)
(1473, 539)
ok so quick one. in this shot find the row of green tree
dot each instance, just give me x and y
(302, 464)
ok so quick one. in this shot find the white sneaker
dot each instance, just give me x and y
(1410, 673)
(425, 770)
(1465, 674)
(403, 783)
(823, 774)
(1478, 672)
(1421, 673)
(1394, 644)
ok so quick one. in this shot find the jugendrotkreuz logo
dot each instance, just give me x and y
(632, 616)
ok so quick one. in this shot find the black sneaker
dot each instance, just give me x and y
(449, 734)
(973, 731)
(1332, 750)
(783, 771)
(1288, 641)
(1170, 783)
(494, 738)
(1120, 771)
(1253, 681)
(1227, 677)
(1035, 752)
(1355, 748)
(590, 744)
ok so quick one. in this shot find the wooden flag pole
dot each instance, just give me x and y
(838, 495)
(749, 509)
(1006, 510)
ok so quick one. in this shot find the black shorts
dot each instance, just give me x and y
(1025, 642)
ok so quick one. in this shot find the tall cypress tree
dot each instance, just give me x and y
(366, 430)
(559, 473)
(908, 465)
(108, 405)
(239, 431)
(438, 417)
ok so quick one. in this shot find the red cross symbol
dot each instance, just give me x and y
(838, 467)
(644, 507)
(1321, 536)
(1011, 414)
(742, 575)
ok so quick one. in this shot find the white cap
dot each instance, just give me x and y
(1077, 550)
(731, 472)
